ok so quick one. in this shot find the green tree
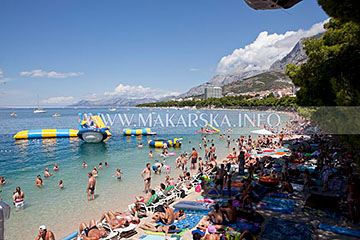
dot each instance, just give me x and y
(330, 76)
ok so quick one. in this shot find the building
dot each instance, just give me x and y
(213, 92)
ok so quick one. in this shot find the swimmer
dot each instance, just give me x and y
(151, 154)
(84, 165)
(100, 165)
(61, 184)
(106, 164)
(47, 174)
(2, 181)
(39, 182)
(56, 167)
(94, 172)
(140, 145)
(118, 174)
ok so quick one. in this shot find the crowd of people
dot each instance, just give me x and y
(323, 158)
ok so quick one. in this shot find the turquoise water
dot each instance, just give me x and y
(62, 210)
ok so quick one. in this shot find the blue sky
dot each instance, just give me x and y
(93, 46)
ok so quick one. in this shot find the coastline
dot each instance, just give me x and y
(124, 205)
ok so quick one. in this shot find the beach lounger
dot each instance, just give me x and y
(119, 231)
(109, 237)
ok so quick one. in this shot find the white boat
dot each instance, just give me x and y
(39, 110)
(112, 109)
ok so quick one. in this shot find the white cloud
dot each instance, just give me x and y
(139, 91)
(265, 50)
(59, 100)
(38, 73)
(194, 69)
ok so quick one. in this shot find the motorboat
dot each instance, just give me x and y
(56, 115)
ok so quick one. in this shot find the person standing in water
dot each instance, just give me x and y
(146, 175)
(91, 187)
(118, 174)
(56, 167)
(18, 195)
(47, 174)
(39, 182)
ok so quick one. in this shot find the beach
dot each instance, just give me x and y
(21, 161)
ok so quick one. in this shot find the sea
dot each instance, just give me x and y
(61, 210)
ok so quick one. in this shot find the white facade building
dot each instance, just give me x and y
(213, 92)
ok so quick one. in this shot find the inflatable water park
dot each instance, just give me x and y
(91, 129)
(161, 143)
(137, 132)
(208, 129)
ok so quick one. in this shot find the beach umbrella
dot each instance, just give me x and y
(262, 132)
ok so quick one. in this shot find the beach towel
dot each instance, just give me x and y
(241, 226)
(189, 222)
(280, 202)
(276, 208)
(234, 191)
(196, 212)
(280, 229)
(178, 233)
(279, 195)
(192, 205)
(155, 237)
(340, 230)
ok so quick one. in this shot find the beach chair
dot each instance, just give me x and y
(109, 237)
(119, 231)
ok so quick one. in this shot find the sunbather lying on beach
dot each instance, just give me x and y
(158, 228)
(137, 211)
(118, 220)
(91, 232)
(166, 217)
(180, 215)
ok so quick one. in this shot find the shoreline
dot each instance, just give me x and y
(174, 173)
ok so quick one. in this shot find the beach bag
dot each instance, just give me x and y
(198, 188)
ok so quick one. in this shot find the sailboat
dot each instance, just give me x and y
(39, 110)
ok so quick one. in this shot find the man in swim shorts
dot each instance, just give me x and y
(194, 156)
(91, 232)
(220, 175)
(18, 195)
(91, 187)
(45, 234)
(146, 175)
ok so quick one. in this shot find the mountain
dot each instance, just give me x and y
(219, 81)
(296, 56)
(261, 82)
(114, 102)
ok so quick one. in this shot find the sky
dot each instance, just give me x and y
(66, 50)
